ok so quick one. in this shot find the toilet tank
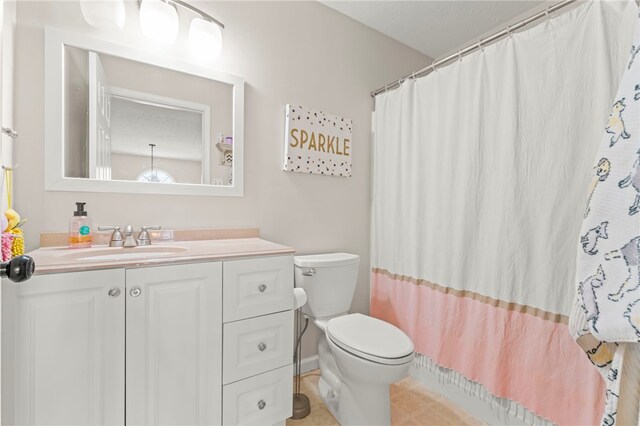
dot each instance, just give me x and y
(329, 281)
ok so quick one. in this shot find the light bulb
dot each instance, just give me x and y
(205, 39)
(159, 21)
(108, 14)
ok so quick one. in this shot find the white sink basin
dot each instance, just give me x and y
(119, 253)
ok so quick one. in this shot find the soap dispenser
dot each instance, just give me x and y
(80, 228)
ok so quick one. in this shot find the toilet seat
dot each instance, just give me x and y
(371, 339)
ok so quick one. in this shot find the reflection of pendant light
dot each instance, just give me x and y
(108, 14)
(154, 175)
(159, 20)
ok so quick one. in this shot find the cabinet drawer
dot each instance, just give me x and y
(256, 345)
(254, 287)
(260, 400)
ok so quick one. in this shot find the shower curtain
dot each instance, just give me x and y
(480, 178)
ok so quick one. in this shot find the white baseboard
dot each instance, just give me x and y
(309, 364)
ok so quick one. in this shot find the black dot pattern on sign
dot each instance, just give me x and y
(319, 163)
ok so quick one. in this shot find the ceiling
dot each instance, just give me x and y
(433, 27)
(177, 133)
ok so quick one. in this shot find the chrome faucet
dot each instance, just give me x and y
(116, 237)
(143, 238)
(129, 239)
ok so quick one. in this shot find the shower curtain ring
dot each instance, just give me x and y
(509, 31)
(480, 46)
(460, 55)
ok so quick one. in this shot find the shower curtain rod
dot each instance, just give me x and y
(473, 47)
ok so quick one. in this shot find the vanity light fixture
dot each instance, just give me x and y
(205, 39)
(108, 14)
(159, 20)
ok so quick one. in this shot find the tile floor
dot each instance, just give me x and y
(411, 404)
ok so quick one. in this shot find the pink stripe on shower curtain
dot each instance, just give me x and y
(514, 354)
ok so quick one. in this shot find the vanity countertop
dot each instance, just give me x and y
(52, 260)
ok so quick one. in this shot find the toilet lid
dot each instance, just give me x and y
(370, 338)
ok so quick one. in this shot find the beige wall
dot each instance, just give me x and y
(288, 52)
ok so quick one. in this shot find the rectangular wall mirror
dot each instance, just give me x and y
(120, 120)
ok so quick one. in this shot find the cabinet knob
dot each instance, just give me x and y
(261, 404)
(262, 288)
(135, 292)
(114, 292)
(262, 346)
(9, 132)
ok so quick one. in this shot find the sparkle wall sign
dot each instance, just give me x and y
(317, 143)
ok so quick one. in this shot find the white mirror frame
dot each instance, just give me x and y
(54, 178)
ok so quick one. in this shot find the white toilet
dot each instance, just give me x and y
(360, 356)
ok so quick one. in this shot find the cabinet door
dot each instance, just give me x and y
(174, 354)
(63, 358)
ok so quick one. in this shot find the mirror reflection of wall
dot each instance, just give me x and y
(115, 109)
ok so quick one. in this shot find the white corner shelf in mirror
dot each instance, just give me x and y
(118, 119)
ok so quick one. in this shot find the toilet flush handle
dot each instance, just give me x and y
(309, 273)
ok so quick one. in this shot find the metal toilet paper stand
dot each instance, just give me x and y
(301, 403)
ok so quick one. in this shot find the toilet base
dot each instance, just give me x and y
(347, 397)
(371, 407)
(329, 397)
(364, 391)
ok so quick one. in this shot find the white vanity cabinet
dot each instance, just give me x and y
(173, 335)
(149, 346)
(258, 340)
(63, 349)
